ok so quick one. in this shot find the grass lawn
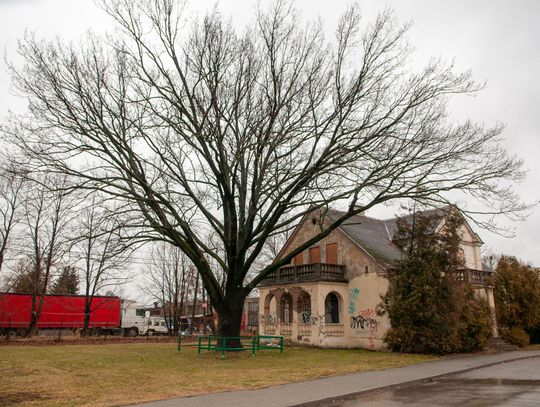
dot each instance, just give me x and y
(117, 374)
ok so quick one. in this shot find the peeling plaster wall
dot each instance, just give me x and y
(364, 325)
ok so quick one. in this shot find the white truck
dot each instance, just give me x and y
(136, 320)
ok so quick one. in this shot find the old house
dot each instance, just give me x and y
(329, 294)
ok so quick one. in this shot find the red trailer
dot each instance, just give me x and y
(58, 312)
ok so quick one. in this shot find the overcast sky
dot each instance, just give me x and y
(497, 40)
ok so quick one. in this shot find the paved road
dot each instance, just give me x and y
(332, 388)
(507, 384)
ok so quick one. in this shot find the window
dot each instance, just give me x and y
(331, 309)
(139, 312)
(299, 259)
(314, 255)
(304, 308)
(331, 253)
(253, 314)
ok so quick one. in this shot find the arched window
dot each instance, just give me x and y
(270, 308)
(331, 309)
(304, 308)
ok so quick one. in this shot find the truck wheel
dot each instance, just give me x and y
(132, 332)
(150, 332)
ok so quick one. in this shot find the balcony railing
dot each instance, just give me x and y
(334, 330)
(475, 277)
(285, 330)
(304, 329)
(270, 329)
(306, 272)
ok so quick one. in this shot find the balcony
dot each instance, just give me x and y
(306, 273)
(479, 278)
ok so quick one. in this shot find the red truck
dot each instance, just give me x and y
(58, 312)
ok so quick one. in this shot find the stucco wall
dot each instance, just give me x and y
(471, 247)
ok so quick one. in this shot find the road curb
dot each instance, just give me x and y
(336, 399)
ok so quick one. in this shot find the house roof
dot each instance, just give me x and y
(376, 236)
(371, 234)
(436, 214)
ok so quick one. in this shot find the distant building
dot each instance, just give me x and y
(329, 294)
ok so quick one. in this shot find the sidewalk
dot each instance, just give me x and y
(294, 394)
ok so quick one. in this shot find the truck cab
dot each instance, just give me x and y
(136, 320)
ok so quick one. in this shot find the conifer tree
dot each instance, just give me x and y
(67, 282)
(429, 311)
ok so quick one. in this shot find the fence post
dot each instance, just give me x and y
(281, 345)
(179, 342)
(222, 347)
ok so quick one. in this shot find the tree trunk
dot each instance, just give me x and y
(194, 303)
(230, 321)
(37, 305)
(86, 323)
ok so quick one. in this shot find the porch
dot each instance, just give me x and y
(303, 314)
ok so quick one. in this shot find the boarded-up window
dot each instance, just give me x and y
(331, 253)
(314, 255)
(299, 259)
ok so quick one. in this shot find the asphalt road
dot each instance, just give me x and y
(508, 384)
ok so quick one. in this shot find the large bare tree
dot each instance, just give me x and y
(199, 128)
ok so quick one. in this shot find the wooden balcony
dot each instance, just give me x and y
(306, 273)
(478, 278)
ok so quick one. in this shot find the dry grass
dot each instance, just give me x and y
(117, 374)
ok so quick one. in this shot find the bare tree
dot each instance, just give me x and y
(168, 281)
(11, 206)
(100, 252)
(199, 128)
(48, 211)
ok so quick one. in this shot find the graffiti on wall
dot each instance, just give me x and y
(366, 322)
(305, 317)
(360, 322)
(353, 295)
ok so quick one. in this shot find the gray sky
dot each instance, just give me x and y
(497, 40)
